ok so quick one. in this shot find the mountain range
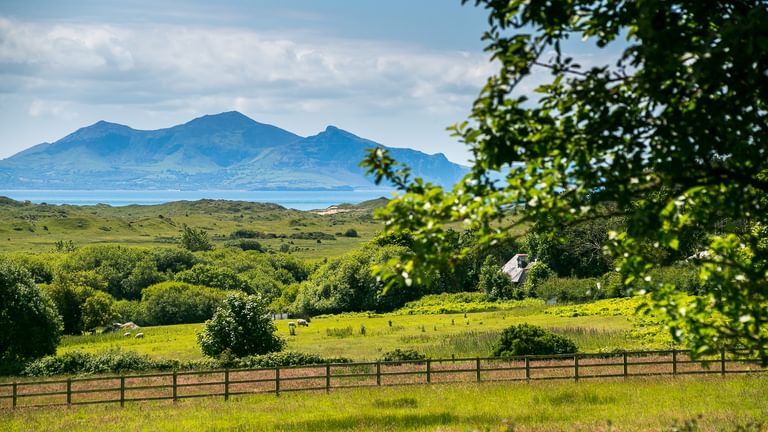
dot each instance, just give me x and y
(221, 151)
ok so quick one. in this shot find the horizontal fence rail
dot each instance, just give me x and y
(325, 377)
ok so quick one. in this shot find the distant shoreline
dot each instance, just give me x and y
(294, 199)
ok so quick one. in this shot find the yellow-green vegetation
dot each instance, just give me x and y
(365, 336)
(714, 404)
(37, 227)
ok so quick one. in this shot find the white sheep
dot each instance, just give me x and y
(139, 335)
(302, 323)
(126, 334)
(292, 328)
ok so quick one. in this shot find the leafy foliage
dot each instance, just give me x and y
(28, 319)
(495, 283)
(399, 354)
(213, 276)
(240, 326)
(195, 239)
(179, 303)
(668, 134)
(98, 310)
(527, 339)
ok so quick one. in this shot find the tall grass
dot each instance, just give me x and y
(713, 404)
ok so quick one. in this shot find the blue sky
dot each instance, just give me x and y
(397, 71)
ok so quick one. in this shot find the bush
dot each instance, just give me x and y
(69, 300)
(81, 363)
(241, 325)
(30, 327)
(403, 355)
(214, 277)
(180, 303)
(173, 260)
(350, 233)
(195, 239)
(494, 283)
(571, 289)
(288, 358)
(131, 310)
(527, 339)
(98, 310)
(245, 244)
(537, 274)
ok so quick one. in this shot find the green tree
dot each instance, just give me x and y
(668, 128)
(179, 303)
(494, 283)
(30, 326)
(195, 239)
(69, 299)
(240, 326)
(98, 310)
(527, 339)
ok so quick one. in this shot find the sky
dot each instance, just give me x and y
(398, 72)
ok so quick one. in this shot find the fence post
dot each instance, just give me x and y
(429, 371)
(674, 362)
(226, 383)
(277, 381)
(576, 367)
(175, 395)
(477, 368)
(122, 391)
(378, 373)
(69, 391)
(722, 362)
(15, 392)
(527, 369)
(327, 378)
(625, 366)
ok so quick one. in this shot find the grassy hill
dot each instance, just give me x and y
(29, 227)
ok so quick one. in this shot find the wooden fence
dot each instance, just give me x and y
(230, 382)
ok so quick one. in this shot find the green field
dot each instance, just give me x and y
(437, 335)
(31, 227)
(715, 404)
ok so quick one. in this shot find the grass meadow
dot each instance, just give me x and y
(367, 336)
(660, 404)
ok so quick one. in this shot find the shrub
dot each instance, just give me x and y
(30, 326)
(527, 339)
(69, 300)
(81, 363)
(173, 260)
(537, 274)
(180, 303)
(245, 244)
(350, 233)
(494, 283)
(195, 239)
(288, 358)
(131, 310)
(403, 355)
(212, 276)
(242, 326)
(98, 310)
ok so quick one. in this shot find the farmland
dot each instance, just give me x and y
(714, 404)
(437, 335)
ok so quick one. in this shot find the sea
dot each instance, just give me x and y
(294, 199)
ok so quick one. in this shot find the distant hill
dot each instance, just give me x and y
(222, 151)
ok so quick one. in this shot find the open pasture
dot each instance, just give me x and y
(364, 337)
(713, 403)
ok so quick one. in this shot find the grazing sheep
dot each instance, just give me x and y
(292, 328)
(126, 334)
(302, 323)
(139, 335)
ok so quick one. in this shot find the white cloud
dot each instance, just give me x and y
(162, 64)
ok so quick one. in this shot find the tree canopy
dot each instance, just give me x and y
(666, 128)
(30, 325)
